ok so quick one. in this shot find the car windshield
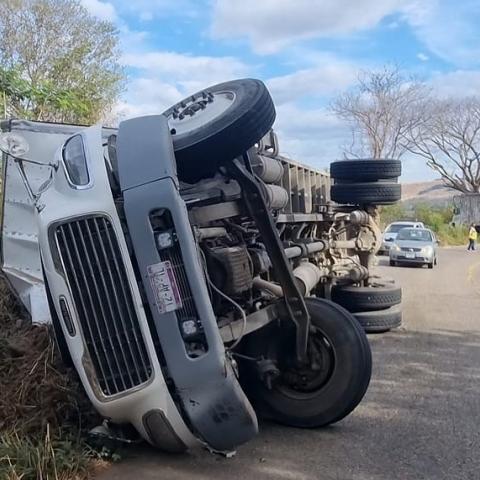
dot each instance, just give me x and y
(416, 234)
(395, 228)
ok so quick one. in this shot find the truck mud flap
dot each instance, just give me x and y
(217, 410)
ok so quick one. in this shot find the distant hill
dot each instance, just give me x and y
(432, 193)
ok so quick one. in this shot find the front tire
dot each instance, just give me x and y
(318, 395)
(218, 124)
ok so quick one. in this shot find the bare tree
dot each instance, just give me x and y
(381, 109)
(448, 137)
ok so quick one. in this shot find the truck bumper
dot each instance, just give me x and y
(214, 405)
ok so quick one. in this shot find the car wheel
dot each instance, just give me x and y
(218, 124)
(430, 265)
(393, 263)
(370, 193)
(380, 321)
(311, 397)
(363, 299)
(365, 170)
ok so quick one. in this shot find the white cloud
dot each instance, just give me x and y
(424, 58)
(188, 72)
(448, 28)
(147, 96)
(271, 25)
(147, 10)
(327, 78)
(164, 78)
(102, 10)
(312, 136)
(458, 83)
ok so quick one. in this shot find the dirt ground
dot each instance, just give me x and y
(419, 419)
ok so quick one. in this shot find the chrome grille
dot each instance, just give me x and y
(97, 278)
(410, 249)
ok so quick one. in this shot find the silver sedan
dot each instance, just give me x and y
(414, 245)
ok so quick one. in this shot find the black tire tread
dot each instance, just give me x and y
(200, 154)
(380, 321)
(364, 299)
(366, 193)
(366, 170)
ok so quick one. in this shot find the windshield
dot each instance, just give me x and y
(395, 228)
(414, 234)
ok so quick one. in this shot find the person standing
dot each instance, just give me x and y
(472, 237)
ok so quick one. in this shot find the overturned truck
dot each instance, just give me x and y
(194, 277)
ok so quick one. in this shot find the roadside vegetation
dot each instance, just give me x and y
(439, 219)
(44, 413)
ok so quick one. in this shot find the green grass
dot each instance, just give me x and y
(449, 235)
(43, 456)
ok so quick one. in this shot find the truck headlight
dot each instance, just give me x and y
(427, 250)
(75, 162)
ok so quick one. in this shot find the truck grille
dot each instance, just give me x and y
(97, 278)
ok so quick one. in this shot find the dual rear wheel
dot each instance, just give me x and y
(366, 182)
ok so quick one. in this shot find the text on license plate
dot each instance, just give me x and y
(164, 286)
(410, 255)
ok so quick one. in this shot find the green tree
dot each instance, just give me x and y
(392, 213)
(64, 61)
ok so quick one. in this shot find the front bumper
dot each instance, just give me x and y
(212, 400)
(412, 257)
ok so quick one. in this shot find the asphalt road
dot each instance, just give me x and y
(419, 419)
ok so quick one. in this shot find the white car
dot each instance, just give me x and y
(391, 233)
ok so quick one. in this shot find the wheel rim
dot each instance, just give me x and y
(302, 383)
(199, 110)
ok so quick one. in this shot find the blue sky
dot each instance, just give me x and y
(307, 52)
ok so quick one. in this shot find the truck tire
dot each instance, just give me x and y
(364, 299)
(370, 193)
(218, 124)
(366, 170)
(313, 397)
(380, 321)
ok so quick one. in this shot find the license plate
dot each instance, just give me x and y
(409, 255)
(164, 286)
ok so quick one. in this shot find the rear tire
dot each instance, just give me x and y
(370, 193)
(364, 299)
(312, 398)
(380, 321)
(218, 124)
(366, 170)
